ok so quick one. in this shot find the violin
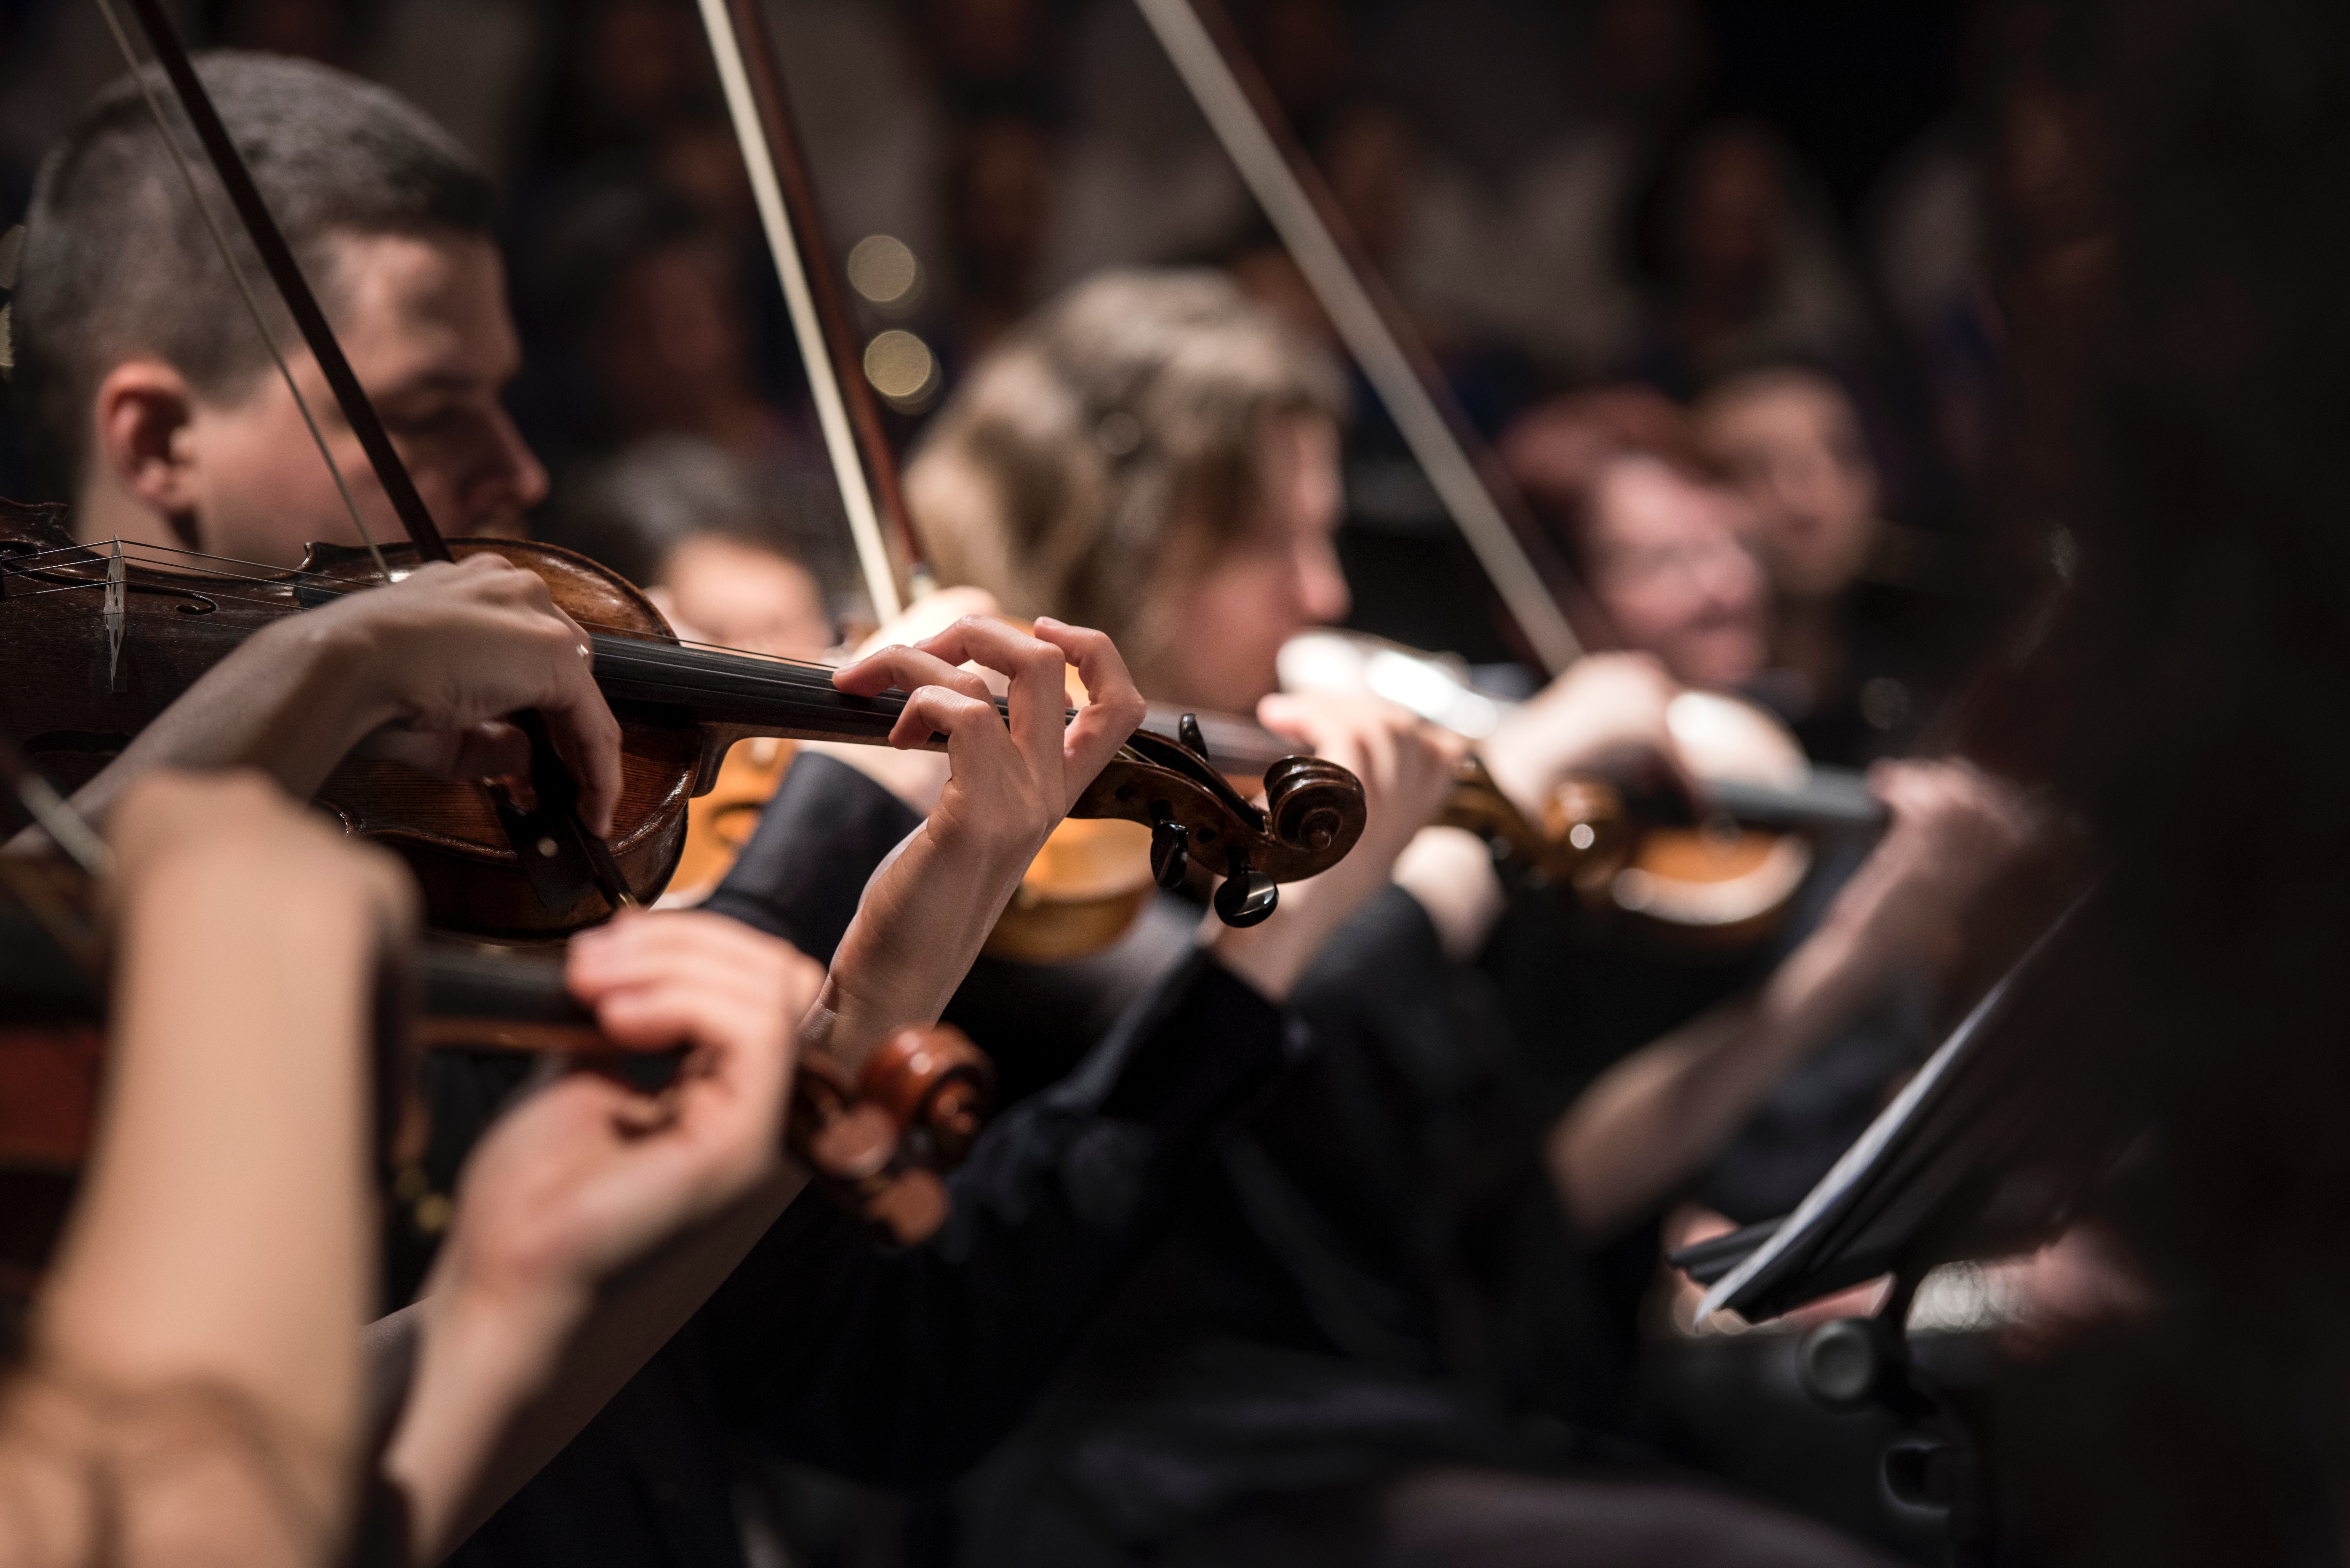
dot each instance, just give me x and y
(100, 638)
(1640, 864)
(879, 1141)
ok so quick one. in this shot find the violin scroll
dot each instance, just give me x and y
(1314, 813)
(881, 1141)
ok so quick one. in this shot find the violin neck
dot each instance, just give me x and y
(476, 999)
(1831, 799)
(741, 692)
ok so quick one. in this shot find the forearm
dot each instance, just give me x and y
(238, 1089)
(173, 1324)
(500, 1387)
(1655, 1119)
(922, 921)
(291, 702)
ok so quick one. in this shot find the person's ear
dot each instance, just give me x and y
(142, 414)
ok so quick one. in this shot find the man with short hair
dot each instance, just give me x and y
(149, 396)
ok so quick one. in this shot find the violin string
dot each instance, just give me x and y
(770, 678)
(288, 577)
(236, 273)
(779, 676)
(619, 642)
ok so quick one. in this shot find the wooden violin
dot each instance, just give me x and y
(1642, 865)
(100, 638)
(879, 1141)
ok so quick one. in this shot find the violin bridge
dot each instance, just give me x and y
(117, 576)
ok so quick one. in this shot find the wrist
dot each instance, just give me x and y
(509, 1336)
(344, 673)
(1527, 779)
(1450, 872)
(480, 1364)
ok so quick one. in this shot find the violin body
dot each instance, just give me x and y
(98, 645)
(93, 662)
(719, 825)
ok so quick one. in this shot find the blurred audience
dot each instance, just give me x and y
(680, 519)
(1743, 263)
(1848, 613)
(1654, 535)
(999, 191)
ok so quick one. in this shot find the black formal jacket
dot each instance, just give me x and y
(889, 1363)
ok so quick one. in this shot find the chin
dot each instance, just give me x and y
(1724, 666)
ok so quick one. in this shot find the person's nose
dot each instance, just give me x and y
(515, 480)
(1731, 578)
(1323, 597)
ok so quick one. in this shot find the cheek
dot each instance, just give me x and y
(1222, 636)
(1643, 613)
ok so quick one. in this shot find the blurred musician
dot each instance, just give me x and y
(1850, 628)
(1661, 538)
(1159, 450)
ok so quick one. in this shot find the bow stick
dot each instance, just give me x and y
(764, 128)
(1484, 502)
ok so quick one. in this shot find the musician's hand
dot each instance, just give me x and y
(1606, 714)
(1955, 829)
(445, 653)
(586, 1176)
(1011, 782)
(421, 671)
(591, 1219)
(1406, 766)
(914, 777)
(933, 903)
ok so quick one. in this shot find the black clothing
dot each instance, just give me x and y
(1372, 1275)
(1455, 1518)
(1374, 1278)
(819, 840)
(896, 1364)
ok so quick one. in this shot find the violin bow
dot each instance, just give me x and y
(69, 831)
(766, 130)
(556, 849)
(1486, 506)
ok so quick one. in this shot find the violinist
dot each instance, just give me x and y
(679, 518)
(151, 401)
(1758, 1096)
(1382, 1235)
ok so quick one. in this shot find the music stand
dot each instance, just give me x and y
(1985, 1153)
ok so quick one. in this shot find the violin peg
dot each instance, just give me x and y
(1247, 898)
(856, 1144)
(1170, 853)
(910, 1207)
(1187, 730)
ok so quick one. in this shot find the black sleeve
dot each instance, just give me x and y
(905, 1365)
(816, 845)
